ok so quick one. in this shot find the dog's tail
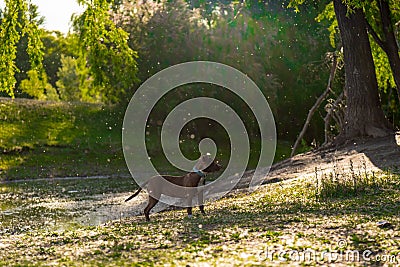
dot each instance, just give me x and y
(134, 195)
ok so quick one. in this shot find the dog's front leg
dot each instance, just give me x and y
(201, 200)
(189, 197)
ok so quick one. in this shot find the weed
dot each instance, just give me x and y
(354, 183)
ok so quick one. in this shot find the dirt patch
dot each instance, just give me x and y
(363, 155)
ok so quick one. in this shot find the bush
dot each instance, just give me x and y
(38, 87)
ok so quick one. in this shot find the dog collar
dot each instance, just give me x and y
(202, 174)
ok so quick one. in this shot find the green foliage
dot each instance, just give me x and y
(164, 32)
(37, 86)
(384, 74)
(19, 20)
(9, 38)
(240, 40)
(74, 82)
(67, 70)
(57, 45)
(68, 83)
(35, 44)
(329, 14)
(269, 43)
(110, 60)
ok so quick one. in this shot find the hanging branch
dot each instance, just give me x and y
(317, 104)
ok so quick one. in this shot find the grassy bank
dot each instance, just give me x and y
(49, 139)
(285, 223)
(57, 139)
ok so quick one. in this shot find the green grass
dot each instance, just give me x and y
(57, 139)
(340, 184)
(49, 139)
(244, 229)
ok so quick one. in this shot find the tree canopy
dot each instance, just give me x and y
(110, 60)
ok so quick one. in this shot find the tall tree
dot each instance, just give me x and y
(364, 115)
(19, 19)
(105, 46)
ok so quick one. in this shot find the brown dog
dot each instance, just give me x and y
(179, 186)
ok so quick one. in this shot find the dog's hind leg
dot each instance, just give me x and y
(152, 202)
(189, 212)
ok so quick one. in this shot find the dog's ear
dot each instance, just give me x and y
(204, 162)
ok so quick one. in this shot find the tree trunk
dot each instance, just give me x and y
(364, 115)
(390, 43)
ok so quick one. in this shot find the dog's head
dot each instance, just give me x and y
(207, 164)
